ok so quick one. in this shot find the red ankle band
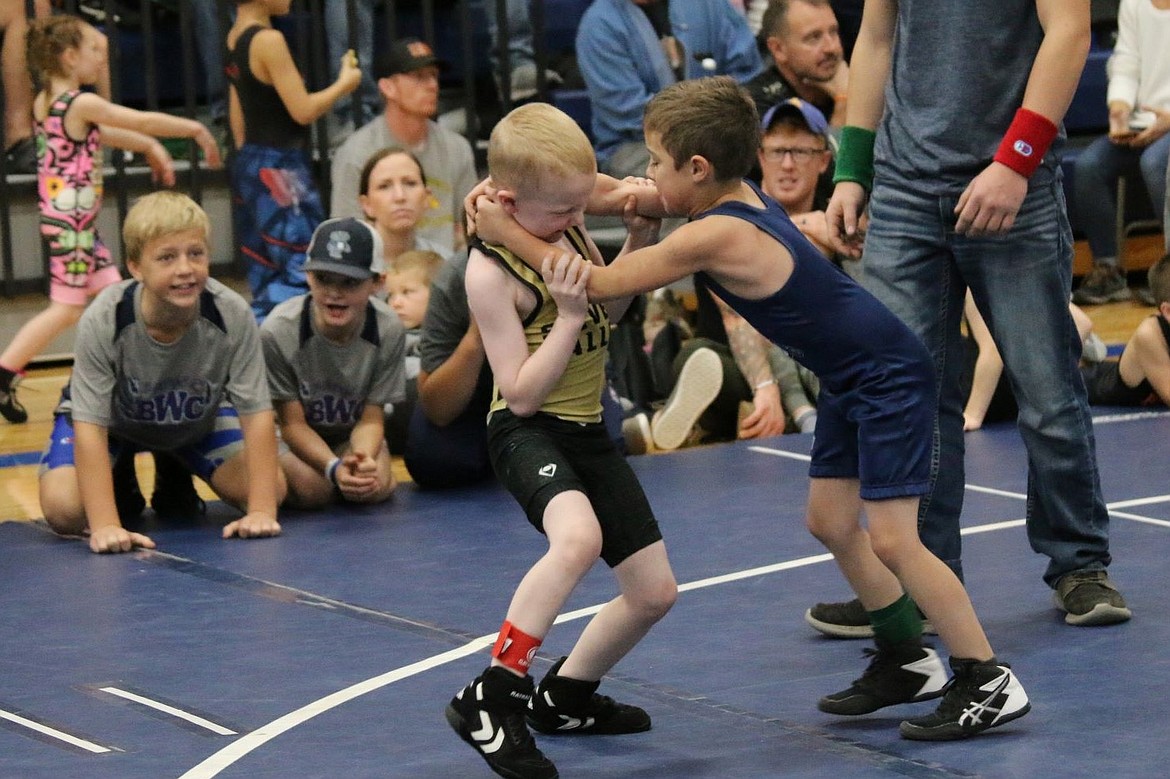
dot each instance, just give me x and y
(515, 649)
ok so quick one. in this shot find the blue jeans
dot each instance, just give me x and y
(337, 36)
(519, 31)
(916, 264)
(210, 37)
(1166, 213)
(1095, 188)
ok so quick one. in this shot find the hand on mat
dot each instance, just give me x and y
(115, 538)
(254, 524)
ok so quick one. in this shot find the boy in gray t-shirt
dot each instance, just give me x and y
(168, 361)
(335, 357)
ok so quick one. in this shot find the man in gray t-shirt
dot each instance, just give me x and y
(408, 78)
(953, 137)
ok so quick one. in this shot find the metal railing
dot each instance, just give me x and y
(139, 32)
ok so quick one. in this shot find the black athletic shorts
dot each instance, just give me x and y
(537, 458)
(1106, 388)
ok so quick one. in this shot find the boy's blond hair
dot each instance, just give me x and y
(713, 118)
(536, 143)
(157, 214)
(1159, 278)
(418, 261)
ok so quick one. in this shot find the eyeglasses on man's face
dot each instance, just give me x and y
(800, 154)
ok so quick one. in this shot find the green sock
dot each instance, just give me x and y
(897, 622)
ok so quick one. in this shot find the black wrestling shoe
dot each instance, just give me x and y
(564, 706)
(848, 619)
(899, 673)
(981, 695)
(489, 715)
(174, 495)
(10, 407)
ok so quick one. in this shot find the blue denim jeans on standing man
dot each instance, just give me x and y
(917, 265)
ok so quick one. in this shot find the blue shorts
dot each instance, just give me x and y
(201, 457)
(886, 444)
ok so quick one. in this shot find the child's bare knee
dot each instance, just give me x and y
(656, 600)
(65, 521)
(577, 551)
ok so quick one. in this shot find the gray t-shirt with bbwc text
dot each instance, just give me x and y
(165, 396)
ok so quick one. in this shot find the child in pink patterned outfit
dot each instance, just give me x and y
(65, 54)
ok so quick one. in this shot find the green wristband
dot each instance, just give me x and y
(855, 156)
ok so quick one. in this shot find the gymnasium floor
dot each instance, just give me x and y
(332, 650)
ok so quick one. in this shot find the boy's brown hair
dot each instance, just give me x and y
(713, 118)
(537, 143)
(1159, 278)
(160, 213)
(418, 260)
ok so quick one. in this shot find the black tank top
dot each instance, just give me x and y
(266, 121)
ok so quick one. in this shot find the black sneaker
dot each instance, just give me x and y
(489, 715)
(564, 706)
(1090, 598)
(10, 407)
(982, 695)
(1103, 284)
(174, 495)
(127, 494)
(848, 620)
(905, 672)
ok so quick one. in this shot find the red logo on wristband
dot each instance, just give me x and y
(1023, 148)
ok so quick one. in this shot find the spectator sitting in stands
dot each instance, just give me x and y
(447, 439)
(408, 291)
(394, 195)
(276, 206)
(1142, 376)
(408, 78)
(1138, 141)
(143, 346)
(807, 61)
(335, 357)
(628, 50)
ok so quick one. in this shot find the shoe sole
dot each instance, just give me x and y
(459, 725)
(1116, 296)
(827, 706)
(1101, 614)
(642, 431)
(584, 731)
(913, 733)
(698, 384)
(854, 631)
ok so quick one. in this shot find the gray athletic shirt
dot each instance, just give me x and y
(958, 76)
(164, 396)
(334, 382)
